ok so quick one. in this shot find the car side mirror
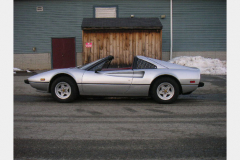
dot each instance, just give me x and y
(97, 70)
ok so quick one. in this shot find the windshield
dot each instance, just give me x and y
(88, 64)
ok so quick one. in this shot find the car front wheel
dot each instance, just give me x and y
(64, 89)
(165, 90)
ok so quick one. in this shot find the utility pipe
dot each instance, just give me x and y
(171, 38)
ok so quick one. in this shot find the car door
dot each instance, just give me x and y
(107, 83)
(142, 77)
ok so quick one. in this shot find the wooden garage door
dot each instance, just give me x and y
(63, 53)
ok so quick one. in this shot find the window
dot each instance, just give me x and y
(105, 12)
(39, 8)
(86, 66)
(102, 65)
(141, 64)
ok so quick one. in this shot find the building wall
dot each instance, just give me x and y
(64, 19)
(199, 26)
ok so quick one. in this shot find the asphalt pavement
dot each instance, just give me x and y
(194, 127)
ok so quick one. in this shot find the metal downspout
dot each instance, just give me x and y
(171, 38)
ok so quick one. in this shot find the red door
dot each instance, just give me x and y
(63, 52)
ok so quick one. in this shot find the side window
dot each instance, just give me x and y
(102, 65)
(141, 64)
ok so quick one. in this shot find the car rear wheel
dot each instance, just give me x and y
(64, 89)
(165, 90)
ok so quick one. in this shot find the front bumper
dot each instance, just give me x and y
(26, 81)
(42, 86)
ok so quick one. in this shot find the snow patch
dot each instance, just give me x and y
(206, 65)
(18, 69)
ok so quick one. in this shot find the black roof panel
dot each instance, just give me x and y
(121, 23)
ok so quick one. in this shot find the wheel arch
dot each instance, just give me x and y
(163, 76)
(57, 76)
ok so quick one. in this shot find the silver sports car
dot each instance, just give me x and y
(161, 80)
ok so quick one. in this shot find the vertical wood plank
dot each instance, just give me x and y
(99, 46)
(107, 36)
(133, 44)
(91, 36)
(161, 44)
(143, 44)
(104, 40)
(150, 44)
(127, 48)
(102, 45)
(115, 47)
(118, 48)
(123, 50)
(146, 39)
(130, 48)
(137, 51)
(153, 45)
(83, 49)
(157, 45)
(139, 44)
(94, 44)
(86, 35)
(111, 44)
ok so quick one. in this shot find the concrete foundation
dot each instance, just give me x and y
(43, 61)
(40, 61)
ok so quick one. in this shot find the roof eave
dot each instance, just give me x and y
(121, 28)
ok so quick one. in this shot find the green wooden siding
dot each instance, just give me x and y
(64, 19)
(199, 25)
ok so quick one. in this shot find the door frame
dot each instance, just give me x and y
(52, 49)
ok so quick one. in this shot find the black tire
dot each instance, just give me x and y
(165, 90)
(64, 89)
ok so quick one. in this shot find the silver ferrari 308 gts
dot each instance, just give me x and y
(161, 80)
